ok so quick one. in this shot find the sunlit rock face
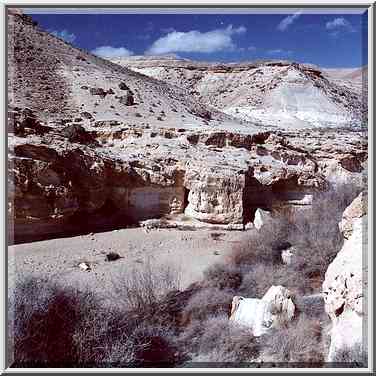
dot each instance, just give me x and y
(346, 282)
(215, 196)
(274, 310)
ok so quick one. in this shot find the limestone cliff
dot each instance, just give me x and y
(345, 287)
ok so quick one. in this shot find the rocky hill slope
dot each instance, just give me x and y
(57, 81)
(275, 93)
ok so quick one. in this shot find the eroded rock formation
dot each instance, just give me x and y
(345, 286)
(136, 173)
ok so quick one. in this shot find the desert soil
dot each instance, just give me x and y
(188, 253)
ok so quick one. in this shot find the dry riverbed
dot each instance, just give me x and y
(188, 253)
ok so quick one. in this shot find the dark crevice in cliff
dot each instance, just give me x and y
(107, 218)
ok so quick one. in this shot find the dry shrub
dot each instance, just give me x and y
(46, 318)
(259, 278)
(154, 346)
(317, 229)
(299, 344)
(142, 288)
(313, 306)
(314, 236)
(55, 326)
(351, 357)
(262, 247)
(207, 302)
(222, 276)
(217, 340)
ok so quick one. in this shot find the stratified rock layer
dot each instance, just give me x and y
(132, 174)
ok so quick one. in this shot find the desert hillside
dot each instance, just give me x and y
(276, 93)
(57, 80)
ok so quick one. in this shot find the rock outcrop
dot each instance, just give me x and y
(345, 286)
(261, 218)
(282, 306)
(75, 170)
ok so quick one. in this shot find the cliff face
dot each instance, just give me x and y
(345, 287)
(125, 175)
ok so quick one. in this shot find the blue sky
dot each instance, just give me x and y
(328, 40)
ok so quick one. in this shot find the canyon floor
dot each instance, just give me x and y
(188, 253)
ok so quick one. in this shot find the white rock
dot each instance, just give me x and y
(287, 256)
(345, 282)
(84, 266)
(261, 217)
(282, 306)
(276, 308)
(345, 334)
(253, 313)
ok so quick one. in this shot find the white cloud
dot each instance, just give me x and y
(339, 25)
(287, 21)
(196, 41)
(64, 34)
(251, 48)
(108, 51)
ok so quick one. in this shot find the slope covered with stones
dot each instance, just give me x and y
(56, 81)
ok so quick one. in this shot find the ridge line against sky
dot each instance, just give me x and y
(330, 40)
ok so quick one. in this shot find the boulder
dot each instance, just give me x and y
(253, 313)
(282, 306)
(261, 218)
(287, 256)
(274, 310)
(84, 266)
